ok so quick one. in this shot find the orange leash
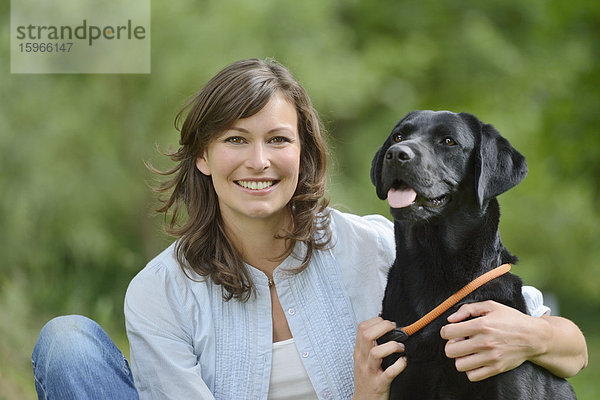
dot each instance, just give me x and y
(402, 333)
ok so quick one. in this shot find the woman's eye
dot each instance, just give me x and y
(398, 138)
(235, 140)
(448, 141)
(279, 140)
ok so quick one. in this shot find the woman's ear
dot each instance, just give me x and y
(202, 165)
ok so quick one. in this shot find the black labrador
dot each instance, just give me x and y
(441, 173)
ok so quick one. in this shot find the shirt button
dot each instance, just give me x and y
(305, 354)
(292, 311)
(325, 394)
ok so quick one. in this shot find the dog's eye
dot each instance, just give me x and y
(398, 138)
(448, 141)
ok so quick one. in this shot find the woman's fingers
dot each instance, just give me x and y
(373, 329)
(386, 349)
(368, 332)
(395, 369)
(370, 380)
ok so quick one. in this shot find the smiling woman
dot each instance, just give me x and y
(254, 165)
(262, 125)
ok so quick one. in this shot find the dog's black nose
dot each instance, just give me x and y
(400, 153)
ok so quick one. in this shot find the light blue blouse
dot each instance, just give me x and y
(187, 343)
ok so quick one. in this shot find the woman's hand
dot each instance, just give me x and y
(502, 338)
(370, 380)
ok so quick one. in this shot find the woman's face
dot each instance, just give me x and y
(254, 165)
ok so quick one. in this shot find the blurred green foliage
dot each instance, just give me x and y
(75, 210)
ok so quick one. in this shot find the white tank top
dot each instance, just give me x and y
(289, 379)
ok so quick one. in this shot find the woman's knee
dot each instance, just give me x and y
(69, 325)
(66, 338)
(74, 355)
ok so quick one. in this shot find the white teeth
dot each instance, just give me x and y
(254, 185)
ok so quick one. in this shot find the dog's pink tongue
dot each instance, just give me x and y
(399, 198)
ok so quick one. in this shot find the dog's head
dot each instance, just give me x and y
(433, 160)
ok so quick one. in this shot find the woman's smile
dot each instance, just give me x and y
(255, 185)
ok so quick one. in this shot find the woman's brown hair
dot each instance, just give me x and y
(240, 90)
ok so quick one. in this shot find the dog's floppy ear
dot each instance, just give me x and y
(498, 165)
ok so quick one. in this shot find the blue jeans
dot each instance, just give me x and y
(75, 359)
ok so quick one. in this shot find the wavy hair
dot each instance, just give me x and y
(240, 90)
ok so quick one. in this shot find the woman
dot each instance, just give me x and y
(268, 293)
